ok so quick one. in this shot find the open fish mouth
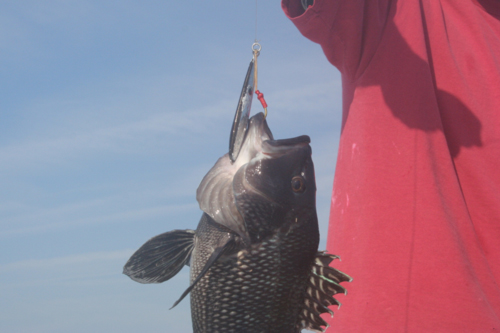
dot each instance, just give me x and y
(275, 148)
(259, 141)
(217, 190)
(303, 139)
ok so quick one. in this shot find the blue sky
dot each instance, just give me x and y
(111, 112)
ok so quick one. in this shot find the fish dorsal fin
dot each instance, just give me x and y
(161, 257)
(227, 243)
(324, 282)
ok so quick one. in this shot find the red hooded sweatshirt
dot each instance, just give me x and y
(415, 212)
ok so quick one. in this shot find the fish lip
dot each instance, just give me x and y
(279, 147)
(302, 139)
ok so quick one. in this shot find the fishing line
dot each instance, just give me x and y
(256, 21)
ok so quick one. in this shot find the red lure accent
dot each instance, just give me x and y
(260, 96)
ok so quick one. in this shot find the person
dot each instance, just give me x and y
(415, 212)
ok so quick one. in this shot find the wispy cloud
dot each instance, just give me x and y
(41, 220)
(153, 133)
(51, 263)
(108, 123)
(133, 137)
(313, 99)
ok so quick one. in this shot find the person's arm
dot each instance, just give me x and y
(349, 31)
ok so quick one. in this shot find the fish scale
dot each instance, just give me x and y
(256, 290)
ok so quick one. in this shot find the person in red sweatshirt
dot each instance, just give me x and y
(415, 211)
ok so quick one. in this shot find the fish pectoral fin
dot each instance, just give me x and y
(324, 282)
(161, 257)
(227, 243)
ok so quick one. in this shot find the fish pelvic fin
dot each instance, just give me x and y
(324, 282)
(161, 257)
(227, 244)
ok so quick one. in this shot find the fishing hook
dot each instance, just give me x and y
(256, 47)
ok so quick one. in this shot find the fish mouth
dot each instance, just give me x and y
(299, 140)
(279, 147)
(267, 150)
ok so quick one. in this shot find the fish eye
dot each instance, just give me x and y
(298, 184)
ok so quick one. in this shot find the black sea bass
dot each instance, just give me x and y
(253, 257)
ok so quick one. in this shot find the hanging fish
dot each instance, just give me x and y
(253, 257)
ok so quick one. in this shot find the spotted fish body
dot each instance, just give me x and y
(253, 257)
(260, 289)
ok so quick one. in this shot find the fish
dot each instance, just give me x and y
(253, 258)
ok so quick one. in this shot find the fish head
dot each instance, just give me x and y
(269, 186)
(276, 190)
(282, 172)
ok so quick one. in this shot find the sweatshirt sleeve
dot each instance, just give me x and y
(349, 31)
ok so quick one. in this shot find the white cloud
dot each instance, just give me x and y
(140, 137)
